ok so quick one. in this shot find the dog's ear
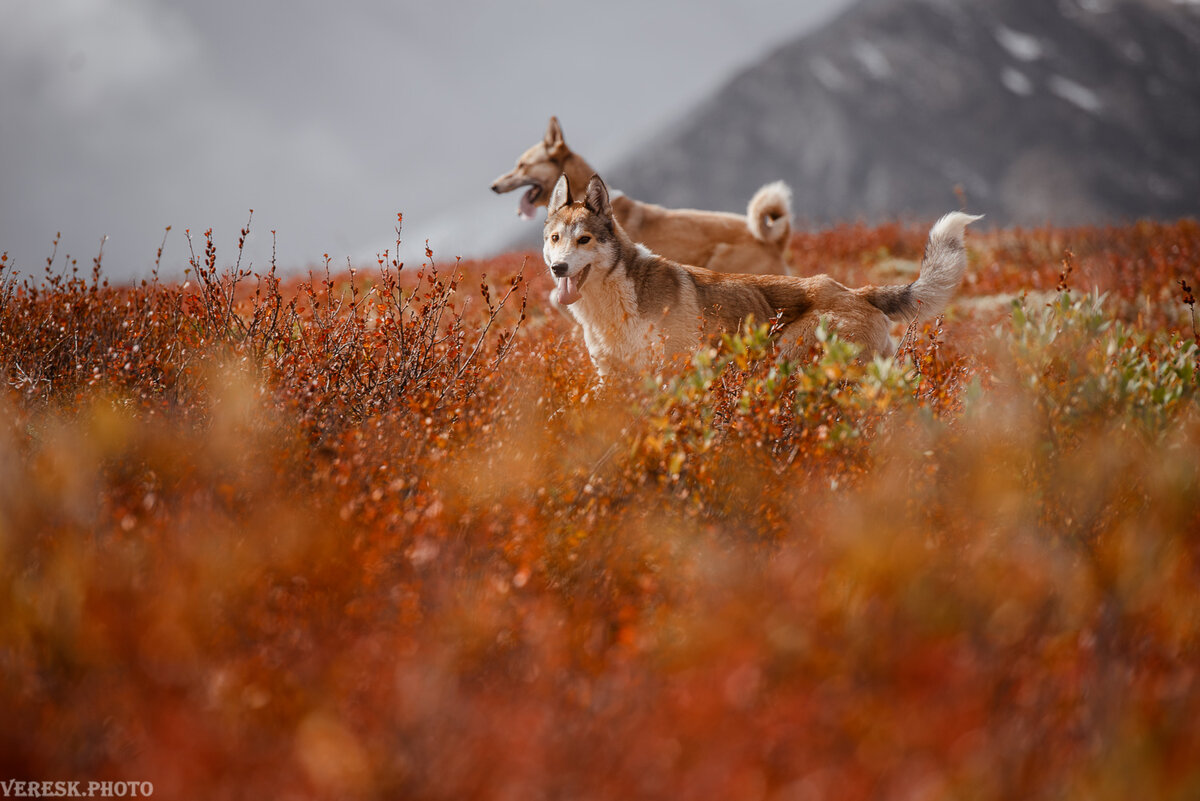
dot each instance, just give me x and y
(597, 198)
(554, 142)
(561, 196)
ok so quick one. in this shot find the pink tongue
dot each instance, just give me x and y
(567, 292)
(526, 209)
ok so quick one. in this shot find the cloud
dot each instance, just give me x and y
(74, 55)
(127, 124)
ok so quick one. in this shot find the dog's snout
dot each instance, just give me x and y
(559, 269)
(496, 187)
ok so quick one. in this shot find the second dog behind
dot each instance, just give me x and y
(732, 243)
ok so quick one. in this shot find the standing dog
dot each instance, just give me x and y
(756, 243)
(635, 306)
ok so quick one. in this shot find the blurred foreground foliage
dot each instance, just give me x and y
(372, 535)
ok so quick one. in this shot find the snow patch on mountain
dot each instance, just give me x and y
(1016, 82)
(1021, 46)
(1076, 93)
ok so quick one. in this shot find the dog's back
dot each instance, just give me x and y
(713, 239)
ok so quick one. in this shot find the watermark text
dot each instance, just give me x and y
(18, 789)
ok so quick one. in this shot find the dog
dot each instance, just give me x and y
(635, 306)
(755, 243)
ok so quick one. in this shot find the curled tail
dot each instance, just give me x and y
(942, 270)
(770, 214)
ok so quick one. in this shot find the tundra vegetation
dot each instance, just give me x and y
(376, 533)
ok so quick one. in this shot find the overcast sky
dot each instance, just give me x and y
(121, 117)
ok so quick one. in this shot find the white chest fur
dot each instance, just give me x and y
(615, 334)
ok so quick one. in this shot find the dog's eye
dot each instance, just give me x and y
(553, 237)
(583, 240)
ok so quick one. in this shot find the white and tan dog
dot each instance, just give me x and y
(755, 243)
(636, 307)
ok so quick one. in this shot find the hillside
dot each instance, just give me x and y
(1068, 112)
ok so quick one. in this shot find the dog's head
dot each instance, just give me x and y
(577, 237)
(538, 168)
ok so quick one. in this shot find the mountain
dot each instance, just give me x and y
(1062, 111)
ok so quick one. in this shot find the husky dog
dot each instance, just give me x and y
(635, 306)
(756, 243)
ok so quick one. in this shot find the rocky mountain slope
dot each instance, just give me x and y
(1062, 111)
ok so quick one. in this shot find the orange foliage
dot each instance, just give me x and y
(380, 534)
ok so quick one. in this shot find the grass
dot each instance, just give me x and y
(377, 534)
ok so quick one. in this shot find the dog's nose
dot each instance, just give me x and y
(559, 269)
(496, 188)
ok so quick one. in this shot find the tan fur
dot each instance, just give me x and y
(636, 307)
(717, 240)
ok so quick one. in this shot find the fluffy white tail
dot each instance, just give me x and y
(942, 271)
(769, 215)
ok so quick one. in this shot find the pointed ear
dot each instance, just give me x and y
(597, 198)
(561, 196)
(553, 140)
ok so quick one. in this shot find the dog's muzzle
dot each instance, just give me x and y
(566, 287)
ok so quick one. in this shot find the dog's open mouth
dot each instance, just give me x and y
(566, 289)
(527, 208)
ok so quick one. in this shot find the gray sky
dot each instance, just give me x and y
(120, 117)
